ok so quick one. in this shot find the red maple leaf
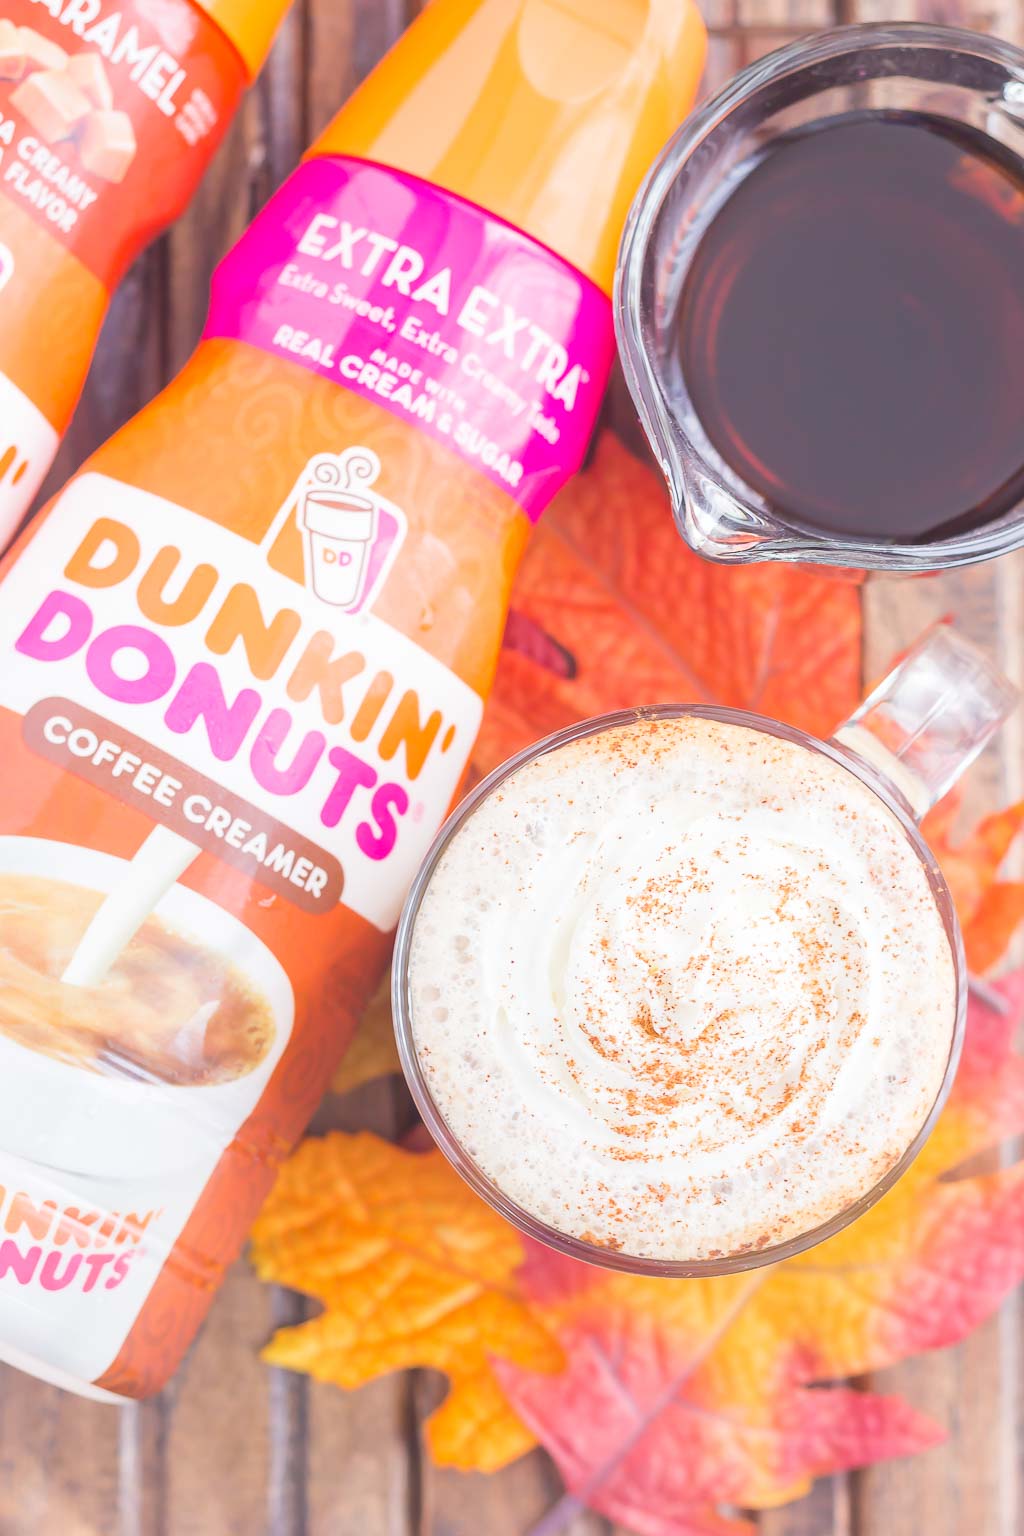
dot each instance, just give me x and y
(682, 1396)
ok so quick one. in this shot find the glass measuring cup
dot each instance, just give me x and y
(908, 742)
(969, 79)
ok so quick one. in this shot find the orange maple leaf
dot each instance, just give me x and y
(611, 609)
(699, 1393)
(990, 910)
(412, 1269)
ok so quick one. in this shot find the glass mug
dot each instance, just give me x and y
(908, 743)
(974, 80)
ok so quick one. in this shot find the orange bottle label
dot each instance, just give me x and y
(267, 670)
(243, 658)
(108, 116)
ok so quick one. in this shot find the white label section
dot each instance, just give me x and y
(76, 1261)
(27, 446)
(352, 736)
(99, 1173)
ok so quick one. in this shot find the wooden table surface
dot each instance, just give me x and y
(235, 1447)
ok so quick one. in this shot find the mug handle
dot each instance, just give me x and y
(929, 718)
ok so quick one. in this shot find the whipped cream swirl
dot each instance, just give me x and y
(682, 989)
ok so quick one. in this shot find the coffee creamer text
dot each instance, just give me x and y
(133, 664)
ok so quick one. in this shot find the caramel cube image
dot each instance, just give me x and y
(52, 103)
(39, 51)
(13, 57)
(86, 70)
(107, 146)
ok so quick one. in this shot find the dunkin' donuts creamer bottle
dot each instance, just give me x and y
(110, 111)
(244, 653)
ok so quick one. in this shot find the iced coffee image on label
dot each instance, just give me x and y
(163, 1008)
(116, 970)
(147, 1065)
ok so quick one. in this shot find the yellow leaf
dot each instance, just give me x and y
(373, 1052)
(412, 1270)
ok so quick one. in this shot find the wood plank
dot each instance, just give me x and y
(826, 1511)
(58, 1457)
(974, 1482)
(213, 1465)
(362, 1460)
(795, 15)
(362, 1472)
(261, 148)
(142, 1466)
(128, 366)
(720, 14)
(1004, 18)
(508, 1503)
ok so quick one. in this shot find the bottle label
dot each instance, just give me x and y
(27, 445)
(222, 767)
(237, 697)
(422, 302)
(109, 113)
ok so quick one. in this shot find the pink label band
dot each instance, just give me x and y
(441, 313)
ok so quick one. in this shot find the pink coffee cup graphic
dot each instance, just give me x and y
(341, 529)
(340, 526)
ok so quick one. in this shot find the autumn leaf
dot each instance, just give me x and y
(412, 1269)
(990, 909)
(667, 1405)
(702, 1393)
(611, 609)
(373, 1052)
(633, 1441)
(673, 1397)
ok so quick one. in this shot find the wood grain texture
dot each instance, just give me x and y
(972, 1484)
(233, 1447)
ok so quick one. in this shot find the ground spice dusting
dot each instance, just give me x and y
(701, 970)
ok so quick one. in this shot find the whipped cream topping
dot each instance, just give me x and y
(682, 989)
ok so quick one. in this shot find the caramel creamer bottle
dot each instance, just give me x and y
(110, 111)
(244, 653)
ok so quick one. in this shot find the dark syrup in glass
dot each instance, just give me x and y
(852, 328)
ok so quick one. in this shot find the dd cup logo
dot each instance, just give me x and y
(707, 977)
(341, 528)
(349, 538)
(99, 1187)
